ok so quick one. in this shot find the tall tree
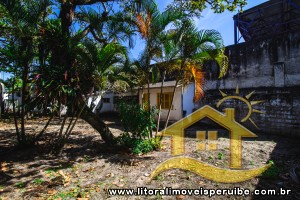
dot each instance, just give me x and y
(151, 22)
(21, 24)
(195, 48)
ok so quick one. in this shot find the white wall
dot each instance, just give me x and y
(108, 107)
(96, 101)
(176, 113)
(188, 95)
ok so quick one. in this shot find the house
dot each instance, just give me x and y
(106, 101)
(182, 104)
(101, 102)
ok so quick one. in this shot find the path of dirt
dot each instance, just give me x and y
(88, 168)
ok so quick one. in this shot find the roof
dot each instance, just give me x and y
(166, 84)
(269, 19)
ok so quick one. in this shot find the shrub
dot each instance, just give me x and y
(136, 120)
(137, 125)
(272, 172)
(139, 146)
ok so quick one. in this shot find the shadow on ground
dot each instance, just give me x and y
(86, 152)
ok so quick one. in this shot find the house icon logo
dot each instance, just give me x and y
(237, 132)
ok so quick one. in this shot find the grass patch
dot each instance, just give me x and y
(272, 172)
(220, 155)
(20, 185)
(38, 181)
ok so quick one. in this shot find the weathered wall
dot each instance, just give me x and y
(271, 68)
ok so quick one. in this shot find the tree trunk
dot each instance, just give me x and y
(67, 14)
(149, 109)
(160, 100)
(14, 110)
(97, 123)
(177, 80)
(169, 111)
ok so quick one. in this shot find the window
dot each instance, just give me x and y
(166, 100)
(145, 102)
(106, 100)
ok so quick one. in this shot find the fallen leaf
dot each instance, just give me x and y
(147, 174)
(121, 185)
(200, 182)
(52, 192)
(3, 167)
(109, 175)
(115, 183)
(77, 173)
(180, 197)
(67, 178)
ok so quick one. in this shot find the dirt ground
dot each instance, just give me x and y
(88, 168)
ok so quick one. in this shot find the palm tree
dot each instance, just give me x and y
(195, 48)
(151, 22)
(21, 27)
(165, 63)
(78, 65)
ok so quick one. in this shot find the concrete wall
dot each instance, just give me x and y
(176, 112)
(271, 68)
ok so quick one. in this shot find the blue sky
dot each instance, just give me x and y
(209, 20)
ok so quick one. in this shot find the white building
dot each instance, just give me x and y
(101, 102)
(182, 104)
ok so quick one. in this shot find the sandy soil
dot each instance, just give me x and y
(88, 168)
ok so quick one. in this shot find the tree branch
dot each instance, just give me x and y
(83, 33)
(90, 2)
(101, 40)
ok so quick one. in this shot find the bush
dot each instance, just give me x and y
(272, 172)
(137, 125)
(136, 120)
(139, 146)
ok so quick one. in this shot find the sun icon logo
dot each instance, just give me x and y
(246, 100)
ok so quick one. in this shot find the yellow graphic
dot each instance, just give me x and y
(237, 132)
(201, 136)
(250, 104)
(208, 171)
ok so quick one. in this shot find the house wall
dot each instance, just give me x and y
(94, 101)
(187, 99)
(108, 107)
(271, 68)
(176, 113)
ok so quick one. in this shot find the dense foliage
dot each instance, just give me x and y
(135, 120)
(60, 52)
